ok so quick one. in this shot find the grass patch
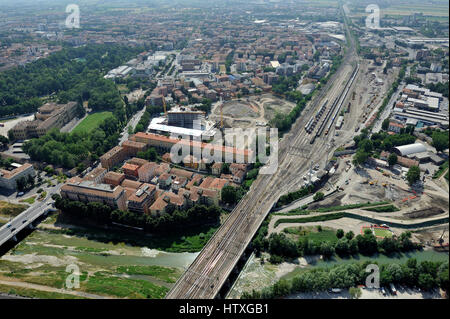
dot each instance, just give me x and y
(300, 211)
(309, 219)
(294, 212)
(11, 209)
(91, 122)
(350, 206)
(312, 233)
(103, 284)
(29, 200)
(33, 293)
(379, 232)
(441, 170)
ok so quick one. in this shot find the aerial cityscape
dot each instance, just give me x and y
(224, 149)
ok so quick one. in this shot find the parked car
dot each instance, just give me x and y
(335, 290)
(20, 194)
(383, 291)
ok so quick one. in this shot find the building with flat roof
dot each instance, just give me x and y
(166, 143)
(205, 130)
(88, 191)
(114, 156)
(131, 148)
(140, 200)
(113, 178)
(8, 179)
(183, 117)
(96, 175)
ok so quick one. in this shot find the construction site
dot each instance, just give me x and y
(251, 111)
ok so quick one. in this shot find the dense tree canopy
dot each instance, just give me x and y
(440, 140)
(413, 175)
(72, 74)
(70, 149)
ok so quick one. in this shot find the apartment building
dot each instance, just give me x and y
(96, 175)
(140, 200)
(8, 179)
(113, 178)
(165, 144)
(113, 157)
(131, 148)
(87, 191)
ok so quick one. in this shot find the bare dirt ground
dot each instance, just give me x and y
(423, 213)
(250, 111)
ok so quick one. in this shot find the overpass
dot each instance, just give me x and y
(25, 219)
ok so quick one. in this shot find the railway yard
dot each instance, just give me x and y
(312, 140)
(209, 271)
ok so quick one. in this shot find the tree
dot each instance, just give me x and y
(440, 140)
(3, 141)
(367, 243)
(392, 159)
(21, 183)
(349, 235)
(355, 292)
(326, 249)
(229, 195)
(366, 145)
(281, 288)
(443, 274)
(318, 196)
(395, 272)
(426, 281)
(360, 157)
(340, 233)
(413, 175)
(280, 245)
(30, 181)
(342, 247)
(353, 246)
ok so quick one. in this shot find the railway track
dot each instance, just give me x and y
(209, 271)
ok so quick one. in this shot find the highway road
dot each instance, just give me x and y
(210, 270)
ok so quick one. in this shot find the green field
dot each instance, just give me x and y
(29, 200)
(379, 232)
(312, 233)
(91, 122)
